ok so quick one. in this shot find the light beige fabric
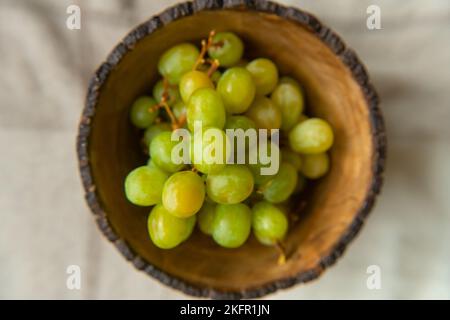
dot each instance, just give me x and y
(44, 222)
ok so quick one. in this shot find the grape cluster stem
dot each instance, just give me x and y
(206, 44)
(164, 103)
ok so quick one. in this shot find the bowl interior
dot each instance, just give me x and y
(332, 204)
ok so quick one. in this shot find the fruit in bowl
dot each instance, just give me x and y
(234, 199)
(342, 183)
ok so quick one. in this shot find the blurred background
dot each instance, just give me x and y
(46, 226)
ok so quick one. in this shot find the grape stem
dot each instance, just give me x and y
(182, 120)
(214, 65)
(164, 104)
(282, 253)
(206, 44)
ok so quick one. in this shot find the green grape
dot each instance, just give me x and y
(161, 152)
(152, 131)
(273, 153)
(205, 105)
(311, 136)
(292, 157)
(209, 150)
(290, 80)
(140, 114)
(301, 184)
(264, 113)
(282, 185)
(179, 110)
(239, 122)
(183, 194)
(237, 89)
(215, 77)
(231, 185)
(289, 99)
(315, 165)
(193, 80)
(173, 95)
(206, 216)
(265, 75)
(167, 231)
(144, 185)
(151, 164)
(178, 60)
(269, 223)
(227, 48)
(232, 224)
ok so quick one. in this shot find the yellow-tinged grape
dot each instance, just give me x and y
(315, 165)
(282, 185)
(152, 131)
(209, 150)
(231, 185)
(292, 157)
(161, 152)
(183, 194)
(206, 216)
(206, 106)
(289, 99)
(269, 223)
(167, 231)
(177, 60)
(144, 185)
(232, 224)
(140, 114)
(227, 48)
(264, 113)
(193, 80)
(265, 75)
(173, 95)
(311, 136)
(237, 90)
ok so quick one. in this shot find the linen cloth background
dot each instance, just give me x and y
(45, 224)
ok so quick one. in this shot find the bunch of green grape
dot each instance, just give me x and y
(216, 86)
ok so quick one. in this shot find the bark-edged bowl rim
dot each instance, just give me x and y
(330, 39)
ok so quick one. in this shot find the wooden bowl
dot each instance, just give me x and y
(337, 88)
